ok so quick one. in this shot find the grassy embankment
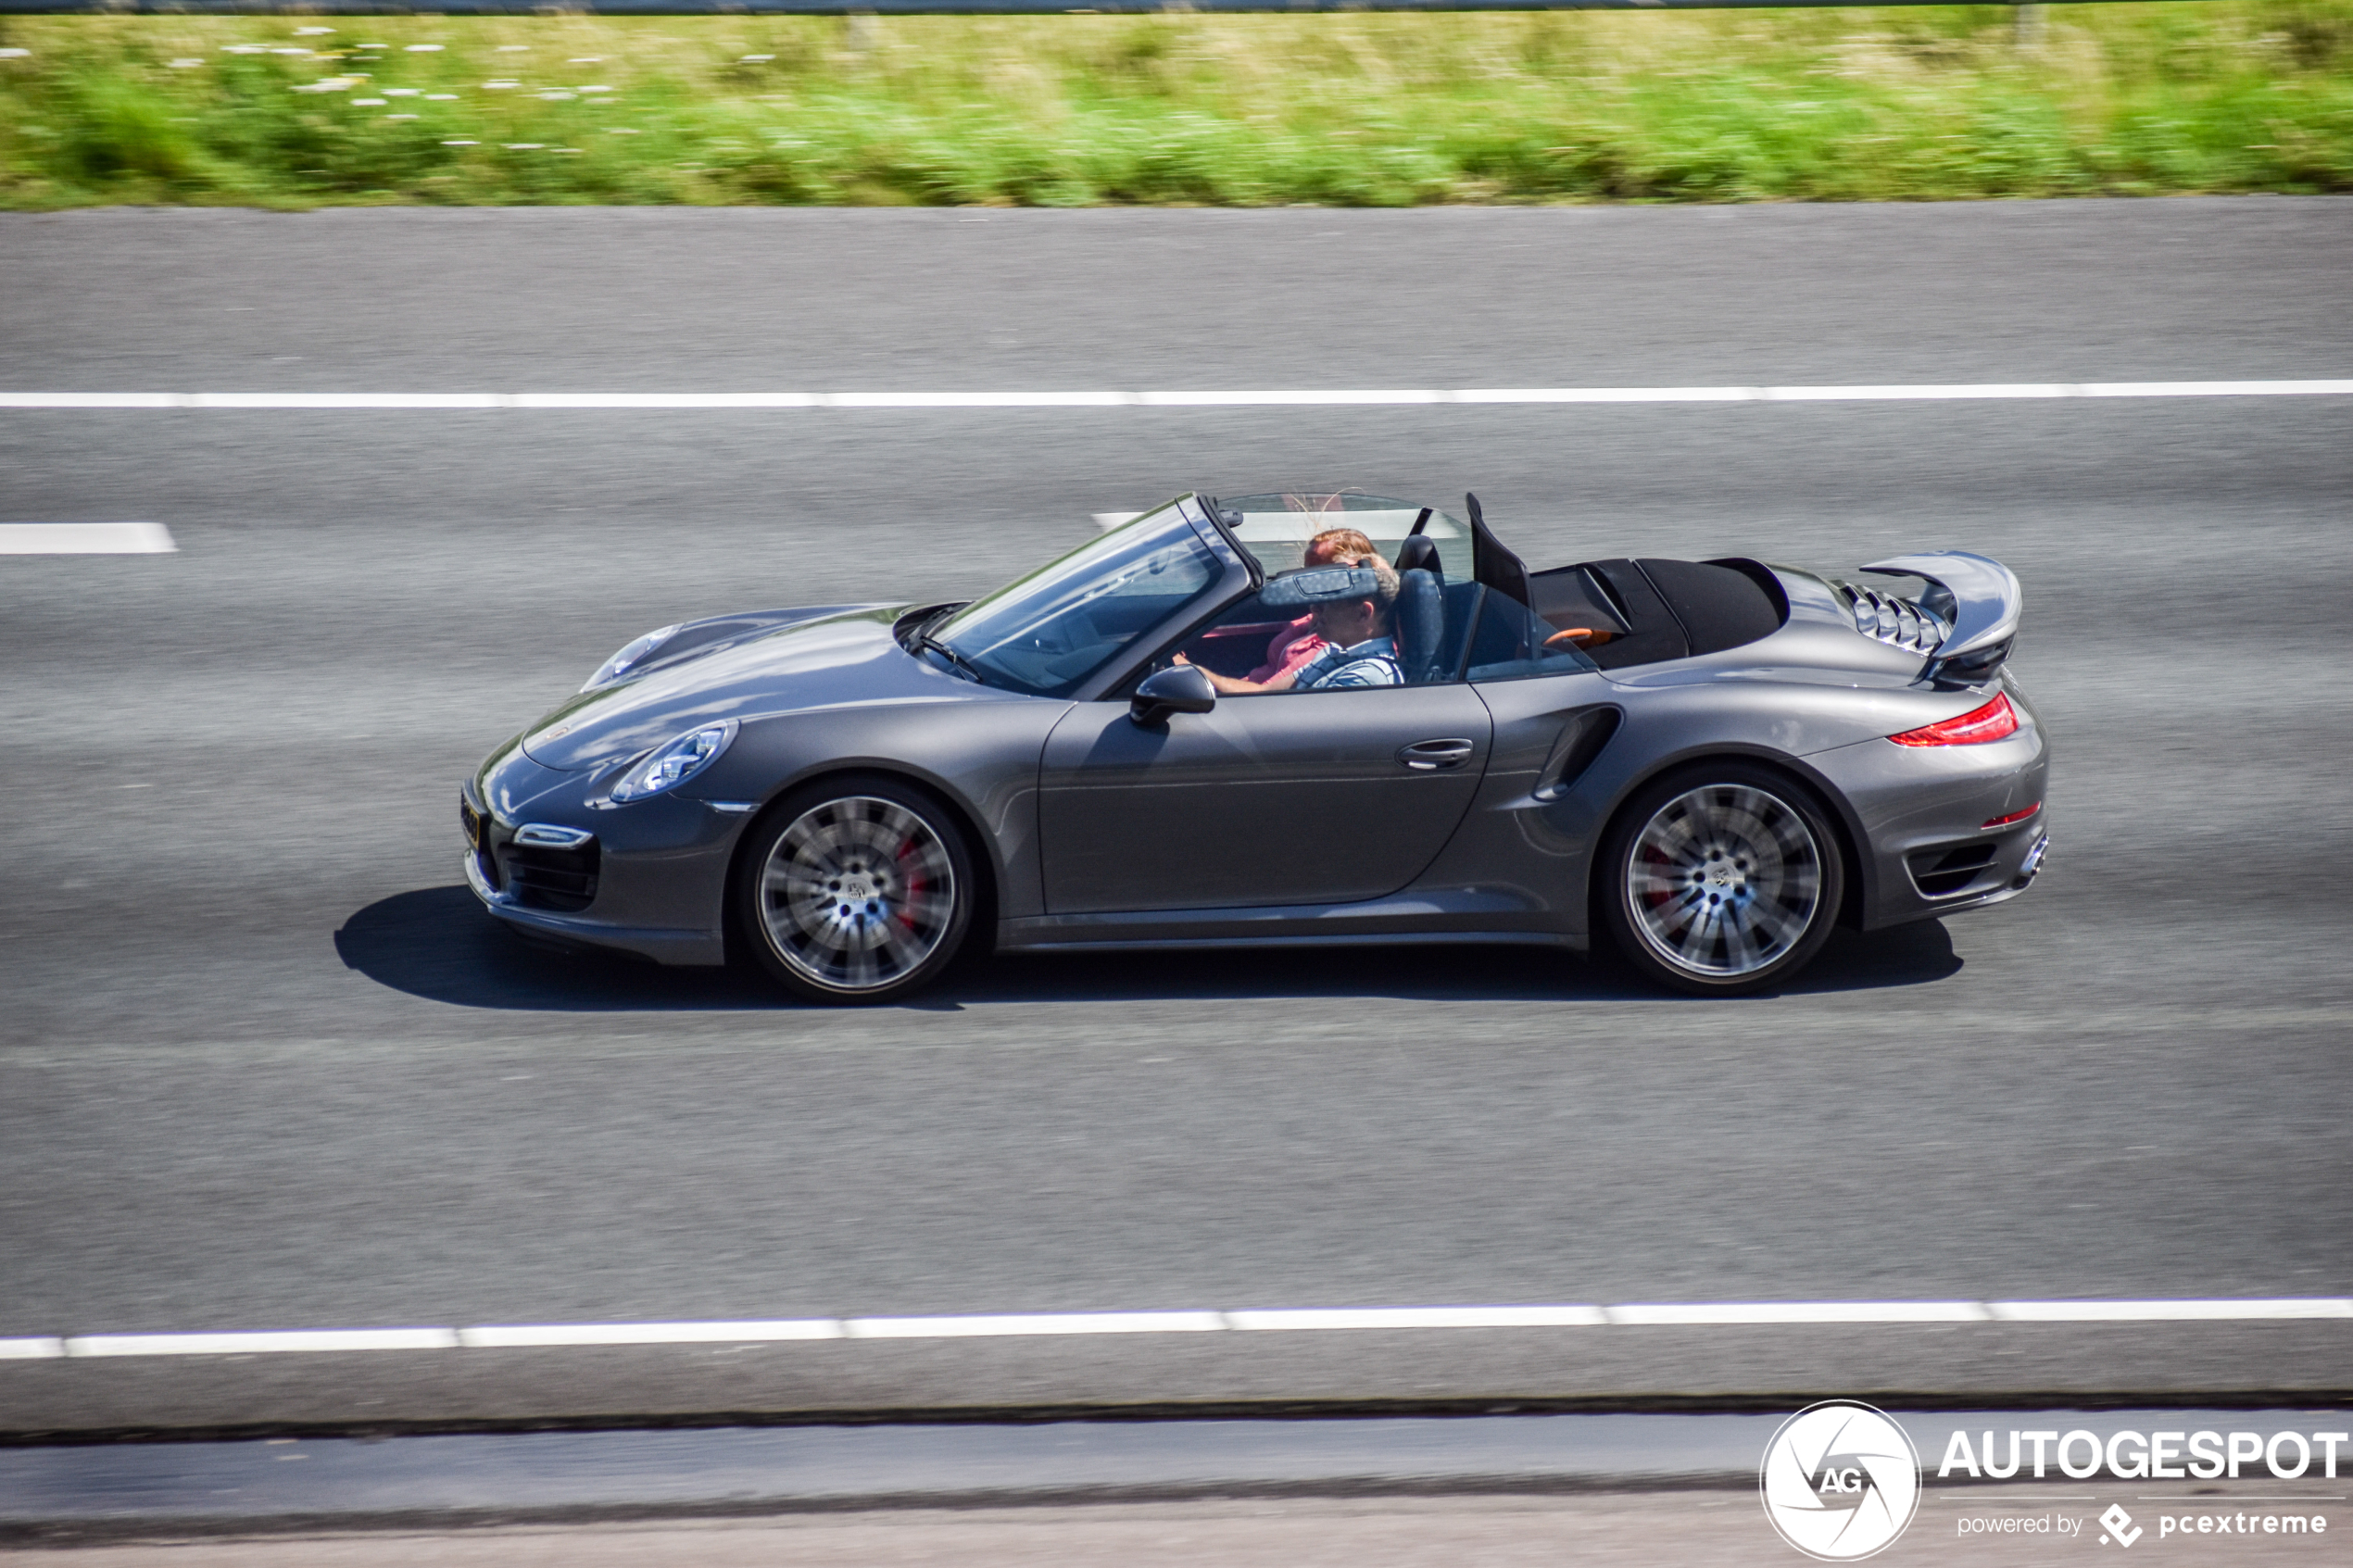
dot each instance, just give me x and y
(1345, 110)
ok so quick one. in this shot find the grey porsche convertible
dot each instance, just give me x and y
(1286, 718)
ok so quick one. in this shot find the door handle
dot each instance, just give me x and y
(1429, 755)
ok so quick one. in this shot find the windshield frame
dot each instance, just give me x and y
(1236, 575)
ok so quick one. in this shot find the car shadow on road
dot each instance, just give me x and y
(437, 943)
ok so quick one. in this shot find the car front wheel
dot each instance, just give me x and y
(1721, 879)
(856, 891)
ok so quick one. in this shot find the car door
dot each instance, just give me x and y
(1301, 798)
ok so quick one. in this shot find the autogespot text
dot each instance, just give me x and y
(2153, 1456)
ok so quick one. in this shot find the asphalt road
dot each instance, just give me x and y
(1379, 1532)
(262, 1066)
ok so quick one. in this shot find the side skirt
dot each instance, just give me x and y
(1457, 916)
(1008, 944)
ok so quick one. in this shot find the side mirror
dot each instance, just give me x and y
(1182, 689)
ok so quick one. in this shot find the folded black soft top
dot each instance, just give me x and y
(1662, 609)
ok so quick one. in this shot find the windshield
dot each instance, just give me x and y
(1277, 528)
(1060, 624)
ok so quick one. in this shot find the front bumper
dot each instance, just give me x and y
(662, 946)
(651, 878)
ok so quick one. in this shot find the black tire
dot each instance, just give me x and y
(1721, 879)
(855, 890)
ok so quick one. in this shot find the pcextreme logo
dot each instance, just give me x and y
(1840, 1480)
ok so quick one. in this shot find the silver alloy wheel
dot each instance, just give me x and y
(1723, 881)
(857, 893)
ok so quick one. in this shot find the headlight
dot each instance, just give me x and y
(674, 763)
(619, 664)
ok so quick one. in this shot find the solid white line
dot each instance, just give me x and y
(303, 1340)
(92, 401)
(1612, 395)
(1298, 398)
(32, 1350)
(344, 400)
(664, 400)
(1043, 1322)
(1921, 394)
(1763, 1313)
(1293, 1319)
(517, 1336)
(2170, 1312)
(2215, 388)
(976, 399)
(85, 539)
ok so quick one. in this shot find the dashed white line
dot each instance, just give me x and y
(1702, 1314)
(1227, 399)
(85, 539)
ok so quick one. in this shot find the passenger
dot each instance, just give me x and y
(1296, 644)
(1361, 651)
(1358, 648)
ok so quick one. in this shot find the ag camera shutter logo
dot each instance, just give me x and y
(1840, 1481)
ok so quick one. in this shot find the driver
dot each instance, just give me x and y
(1349, 605)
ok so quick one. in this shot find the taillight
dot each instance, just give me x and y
(2014, 817)
(1996, 720)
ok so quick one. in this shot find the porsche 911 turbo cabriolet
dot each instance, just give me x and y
(1286, 719)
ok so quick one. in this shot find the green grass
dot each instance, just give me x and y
(1345, 110)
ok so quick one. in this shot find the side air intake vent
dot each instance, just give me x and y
(542, 877)
(1942, 871)
(1899, 622)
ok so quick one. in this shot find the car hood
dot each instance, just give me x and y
(840, 658)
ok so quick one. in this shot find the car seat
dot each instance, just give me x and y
(1421, 611)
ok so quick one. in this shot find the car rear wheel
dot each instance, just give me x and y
(857, 891)
(1722, 879)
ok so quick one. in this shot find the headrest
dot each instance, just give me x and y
(1418, 552)
(1321, 584)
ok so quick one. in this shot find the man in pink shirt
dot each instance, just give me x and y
(1296, 645)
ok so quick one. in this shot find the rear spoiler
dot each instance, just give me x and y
(1980, 597)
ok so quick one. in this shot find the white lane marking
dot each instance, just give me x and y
(85, 539)
(2211, 388)
(979, 399)
(1613, 395)
(662, 400)
(92, 401)
(1759, 1312)
(1301, 398)
(1293, 1319)
(245, 1344)
(1106, 522)
(1041, 1322)
(2168, 1311)
(516, 1337)
(1296, 399)
(347, 400)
